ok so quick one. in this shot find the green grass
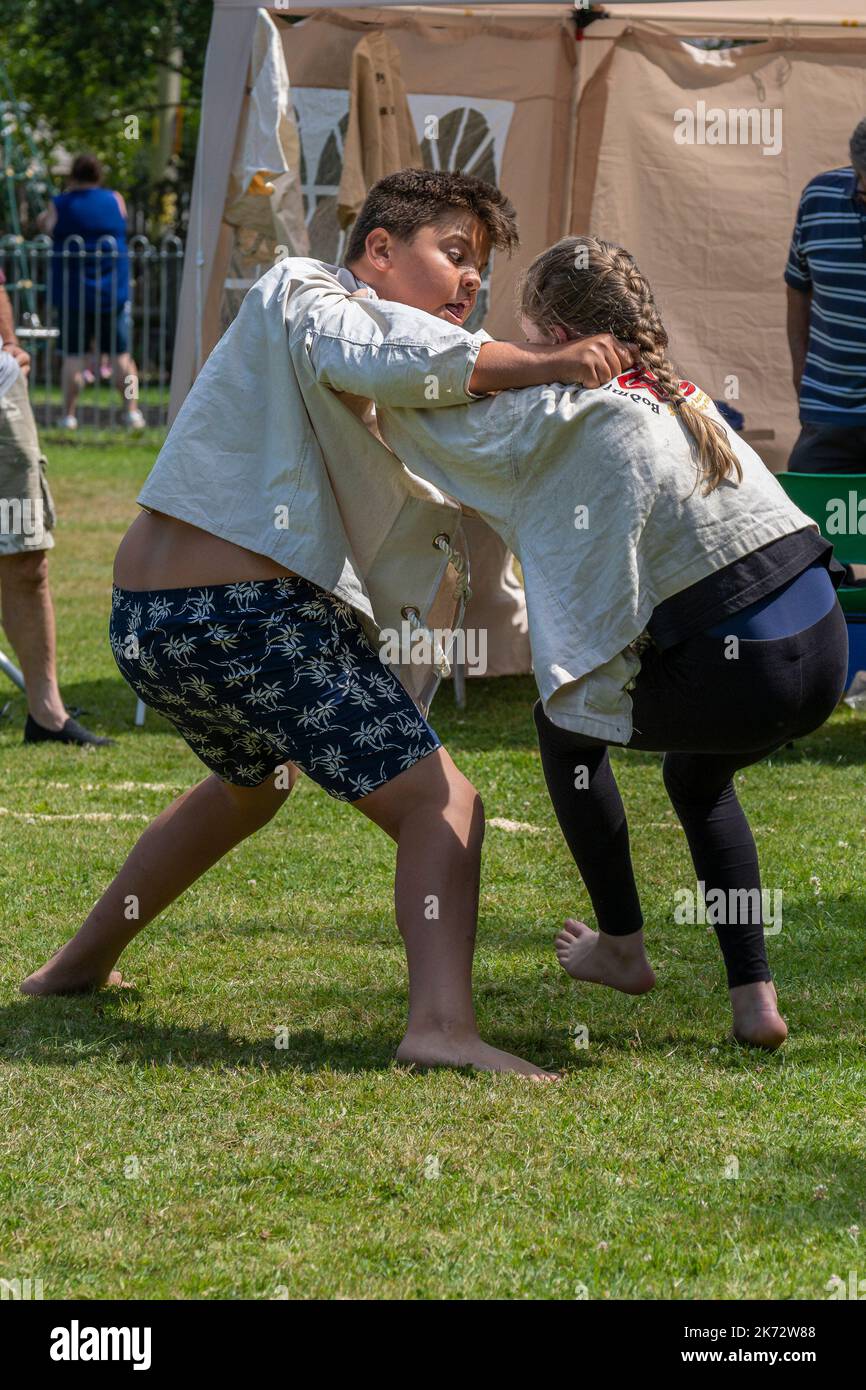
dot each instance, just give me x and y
(314, 1169)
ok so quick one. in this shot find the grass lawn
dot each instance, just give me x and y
(156, 1143)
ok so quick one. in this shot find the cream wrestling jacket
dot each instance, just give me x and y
(263, 453)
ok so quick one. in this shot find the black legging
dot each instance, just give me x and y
(710, 716)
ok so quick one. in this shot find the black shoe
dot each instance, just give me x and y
(72, 732)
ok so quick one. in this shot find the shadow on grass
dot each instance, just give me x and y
(74, 1031)
(70, 1031)
(106, 705)
(840, 743)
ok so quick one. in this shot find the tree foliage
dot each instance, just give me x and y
(85, 67)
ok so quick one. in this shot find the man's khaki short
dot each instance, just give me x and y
(27, 516)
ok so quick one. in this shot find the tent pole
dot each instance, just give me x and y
(568, 189)
(199, 249)
(11, 671)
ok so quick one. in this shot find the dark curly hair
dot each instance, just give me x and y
(403, 203)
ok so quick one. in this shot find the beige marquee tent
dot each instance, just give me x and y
(579, 116)
(497, 83)
(578, 125)
(488, 93)
(710, 223)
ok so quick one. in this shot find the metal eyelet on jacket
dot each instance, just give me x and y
(440, 661)
(457, 560)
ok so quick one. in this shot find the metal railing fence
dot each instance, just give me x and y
(68, 300)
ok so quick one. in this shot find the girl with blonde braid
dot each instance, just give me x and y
(678, 602)
(752, 654)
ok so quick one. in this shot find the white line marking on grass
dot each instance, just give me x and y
(31, 816)
(117, 786)
(514, 826)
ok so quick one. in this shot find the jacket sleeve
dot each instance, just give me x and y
(389, 353)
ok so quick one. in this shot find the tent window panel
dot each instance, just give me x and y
(467, 133)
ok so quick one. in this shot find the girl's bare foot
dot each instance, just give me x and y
(443, 1049)
(757, 1020)
(618, 961)
(70, 972)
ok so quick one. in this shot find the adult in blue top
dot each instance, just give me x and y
(90, 286)
(826, 280)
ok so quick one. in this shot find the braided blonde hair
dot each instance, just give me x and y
(585, 285)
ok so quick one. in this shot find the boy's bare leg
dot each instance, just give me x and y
(436, 817)
(186, 840)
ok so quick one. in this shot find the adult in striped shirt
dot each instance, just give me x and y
(826, 279)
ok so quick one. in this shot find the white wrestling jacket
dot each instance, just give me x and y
(264, 454)
(595, 492)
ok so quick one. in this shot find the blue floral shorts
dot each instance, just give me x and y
(260, 673)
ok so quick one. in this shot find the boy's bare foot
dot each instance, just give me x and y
(66, 974)
(757, 1020)
(618, 961)
(442, 1049)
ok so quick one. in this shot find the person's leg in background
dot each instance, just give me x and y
(125, 375)
(28, 621)
(71, 383)
(76, 332)
(26, 607)
(829, 449)
(27, 613)
(114, 340)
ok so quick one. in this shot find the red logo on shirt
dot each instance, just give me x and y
(646, 381)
